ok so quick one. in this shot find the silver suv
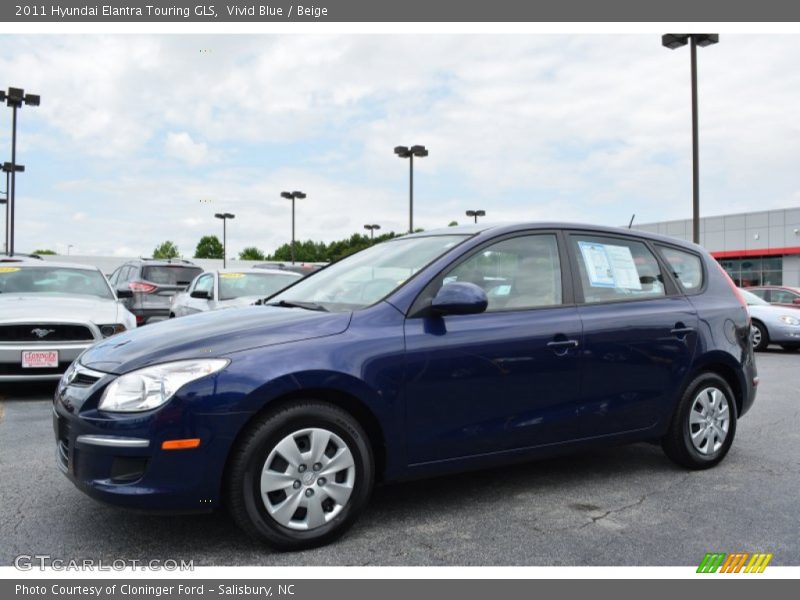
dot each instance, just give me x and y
(147, 286)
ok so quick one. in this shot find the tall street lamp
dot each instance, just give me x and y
(4, 200)
(293, 196)
(224, 217)
(372, 229)
(8, 169)
(476, 214)
(15, 98)
(410, 153)
(673, 41)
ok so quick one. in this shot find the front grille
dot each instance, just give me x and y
(84, 379)
(56, 332)
(16, 369)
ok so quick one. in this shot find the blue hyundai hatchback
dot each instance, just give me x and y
(432, 353)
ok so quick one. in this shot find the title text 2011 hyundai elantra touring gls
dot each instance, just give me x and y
(431, 353)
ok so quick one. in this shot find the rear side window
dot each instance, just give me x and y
(613, 269)
(170, 275)
(686, 267)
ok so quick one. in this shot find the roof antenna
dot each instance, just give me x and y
(633, 216)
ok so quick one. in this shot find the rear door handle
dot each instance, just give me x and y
(562, 344)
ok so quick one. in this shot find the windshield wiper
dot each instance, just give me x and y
(298, 304)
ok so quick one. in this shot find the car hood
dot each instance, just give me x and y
(41, 308)
(770, 313)
(211, 334)
(240, 301)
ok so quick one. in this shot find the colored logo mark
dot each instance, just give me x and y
(738, 562)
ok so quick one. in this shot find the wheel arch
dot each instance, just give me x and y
(721, 365)
(348, 402)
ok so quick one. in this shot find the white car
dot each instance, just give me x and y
(51, 312)
(772, 324)
(229, 288)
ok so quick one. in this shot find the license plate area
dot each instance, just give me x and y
(39, 359)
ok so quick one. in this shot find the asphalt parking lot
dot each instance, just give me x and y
(622, 506)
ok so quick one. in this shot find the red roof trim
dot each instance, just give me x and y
(760, 252)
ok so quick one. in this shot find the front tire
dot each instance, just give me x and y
(300, 477)
(704, 424)
(760, 336)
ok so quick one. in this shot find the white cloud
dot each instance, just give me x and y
(585, 127)
(183, 147)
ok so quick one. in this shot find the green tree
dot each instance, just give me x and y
(453, 224)
(209, 246)
(43, 252)
(166, 249)
(251, 253)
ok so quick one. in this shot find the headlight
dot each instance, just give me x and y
(790, 320)
(151, 387)
(109, 330)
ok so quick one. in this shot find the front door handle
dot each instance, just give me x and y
(680, 331)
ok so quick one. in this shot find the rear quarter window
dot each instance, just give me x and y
(687, 268)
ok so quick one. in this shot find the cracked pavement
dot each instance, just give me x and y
(621, 506)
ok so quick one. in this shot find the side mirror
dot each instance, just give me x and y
(124, 293)
(201, 294)
(460, 299)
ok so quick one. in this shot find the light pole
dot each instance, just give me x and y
(4, 200)
(69, 247)
(372, 229)
(476, 214)
(673, 41)
(410, 153)
(15, 98)
(293, 196)
(9, 169)
(224, 217)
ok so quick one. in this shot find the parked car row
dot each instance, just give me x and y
(50, 312)
(772, 323)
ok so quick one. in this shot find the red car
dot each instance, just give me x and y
(778, 294)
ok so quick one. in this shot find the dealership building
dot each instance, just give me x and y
(755, 248)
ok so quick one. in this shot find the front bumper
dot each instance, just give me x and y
(118, 458)
(11, 360)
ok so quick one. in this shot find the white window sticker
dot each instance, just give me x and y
(610, 266)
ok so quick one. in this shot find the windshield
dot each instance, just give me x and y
(236, 285)
(752, 299)
(367, 276)
(53, 280)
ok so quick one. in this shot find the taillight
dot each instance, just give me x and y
(142, 287)
(734, 288)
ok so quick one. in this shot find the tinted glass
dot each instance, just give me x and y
(237, 285)
(170, 275)
(53, 280)
(518, 273)
(616, 269)
(687, 267)
(752, 299)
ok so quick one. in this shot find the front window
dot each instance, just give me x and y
(368, 276)
(237, 285)
(54, 280)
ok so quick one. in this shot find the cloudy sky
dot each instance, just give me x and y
(140, 139)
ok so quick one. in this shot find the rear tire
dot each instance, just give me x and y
(703, 425)
(300, 477)
(760, 336)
